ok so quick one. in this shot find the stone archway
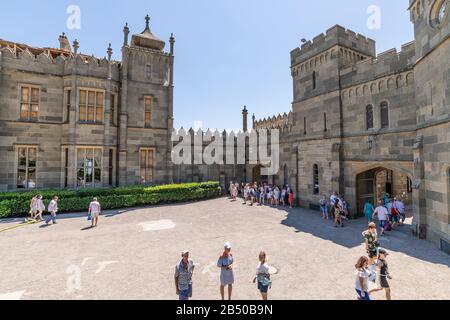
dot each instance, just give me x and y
(374, 183)
(257, 177)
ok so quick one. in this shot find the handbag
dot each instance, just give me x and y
(89, 216)
(265, 281)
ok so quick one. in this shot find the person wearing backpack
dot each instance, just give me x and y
(263, 276)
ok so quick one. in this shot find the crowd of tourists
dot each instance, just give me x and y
(184, 271)
(37, 208)
(262, 194)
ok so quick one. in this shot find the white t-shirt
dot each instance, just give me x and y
(53, 206)
(94, 207)
(382, 213)
(262, 268)
(333, 199)
(364, 274)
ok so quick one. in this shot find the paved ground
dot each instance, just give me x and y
(132, 254)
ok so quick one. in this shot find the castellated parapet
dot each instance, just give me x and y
(55, 62)
(335, 36)
(386, 63)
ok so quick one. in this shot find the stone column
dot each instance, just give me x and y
(419, 226)
(123, 118)
(73, 121)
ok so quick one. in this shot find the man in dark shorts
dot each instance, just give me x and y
(383, 271)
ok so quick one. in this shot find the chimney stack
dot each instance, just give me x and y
(64, 43)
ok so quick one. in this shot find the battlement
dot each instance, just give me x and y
(388, 62)
(33, 58)
(336, 35)
(276, 122)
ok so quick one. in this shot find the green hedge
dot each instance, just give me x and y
(18, 203)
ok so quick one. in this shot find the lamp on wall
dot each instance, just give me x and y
(371, 142)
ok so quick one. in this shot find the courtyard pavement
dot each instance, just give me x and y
(133, 252)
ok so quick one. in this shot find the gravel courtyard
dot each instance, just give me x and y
(132, 254)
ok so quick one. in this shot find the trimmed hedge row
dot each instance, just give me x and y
(123, 197)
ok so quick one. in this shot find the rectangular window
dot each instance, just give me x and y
(26, 168)
(146, 165)
(304, 125)
(148, 72)
(66, 167)
(148, 111)
(316, 179)
(112, 106)
(111, 166)
(325, 125)
(68, 105)
(89, 167)
(29, 103)
(91, 106)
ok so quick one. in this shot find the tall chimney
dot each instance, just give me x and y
(245, 119)
(64, 43)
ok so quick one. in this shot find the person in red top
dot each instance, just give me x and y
(291, 199)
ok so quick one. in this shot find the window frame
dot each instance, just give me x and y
(147, 149)
(27, 166)
(29, 103)
(370, 107)
(152, 100)
(387, 108)
(93, 183)
(316, 179)
(87, 105)
(147, 74)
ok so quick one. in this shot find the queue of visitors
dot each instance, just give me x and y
(262, 194)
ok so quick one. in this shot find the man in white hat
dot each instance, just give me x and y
(183, 276)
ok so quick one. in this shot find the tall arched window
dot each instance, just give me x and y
(369, 117)
(316, 179)
(448, 195)
(384, 108)
(325, 125)
(314, 80)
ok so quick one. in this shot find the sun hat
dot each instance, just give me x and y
(227, 245)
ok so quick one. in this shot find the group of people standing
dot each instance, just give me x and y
(262, 194)
(37, 208)
(390, 212)
(184, 271)
(335, 208)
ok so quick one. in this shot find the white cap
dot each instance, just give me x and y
(227, 245)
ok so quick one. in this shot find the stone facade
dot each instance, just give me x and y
(111, 120)
(375, 124)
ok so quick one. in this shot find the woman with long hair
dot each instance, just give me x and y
(362, 273)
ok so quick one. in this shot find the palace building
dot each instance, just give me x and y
(69, 120)
(362, 124)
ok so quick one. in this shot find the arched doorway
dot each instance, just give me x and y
(258, 177)
(372, 185)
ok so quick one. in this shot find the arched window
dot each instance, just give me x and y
(304, 126)
(316, 179)
(369, 117)
(384, 108)
(314, 80)
(448, 195)
(325, 125)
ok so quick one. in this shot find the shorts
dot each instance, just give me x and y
(384, 282)
(186, 294)
(366, 295)
(95, 214)
(395, 218)
(262, 288)
(383, 224)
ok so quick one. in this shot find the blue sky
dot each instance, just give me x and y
(229, 53)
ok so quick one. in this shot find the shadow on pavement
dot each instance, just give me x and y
(399, 240)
